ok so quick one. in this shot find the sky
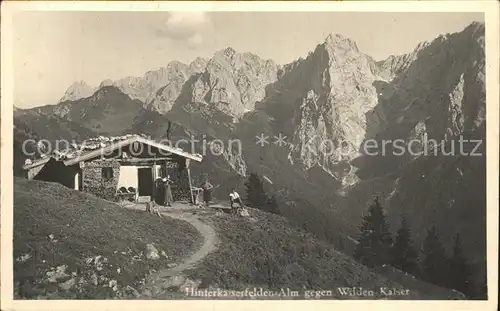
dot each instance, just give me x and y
(54, 49)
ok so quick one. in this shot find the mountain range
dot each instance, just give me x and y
(327, 106)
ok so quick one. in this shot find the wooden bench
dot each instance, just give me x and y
(126, 194)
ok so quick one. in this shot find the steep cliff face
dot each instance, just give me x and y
(336, 97)
(320, 103)
(157, 89)
(229, 82)
(252, 75)
(440, 95)
(163, 98)
(141, 88)
(443, 88)
(153, 84)
(436, 102)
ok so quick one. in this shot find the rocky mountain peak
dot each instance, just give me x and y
(106, 82)
(77, 90)
(476, 30)
(231, 82)
(449, 70)
(394, 65)
(476, 27)
(343, 59)
(176, 64)
(108, 90)
(198, 65)
(225, 55)
(321, 102)
(168, 87)
(340, 42)
(229, 52)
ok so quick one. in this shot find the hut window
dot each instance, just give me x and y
(107, 172)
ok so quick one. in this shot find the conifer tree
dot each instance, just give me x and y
(434, 263)
(459, 273)
(404, 255)
(375, 239)
(256, 196)
(272, 205)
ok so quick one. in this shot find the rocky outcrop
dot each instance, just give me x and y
(146, 87)
(394, 65)
(236, 161)
(216, 87)
(252, 76)
(334, 92)
(165, 96)
(231, 82)
(152, 252)
(440, 95)
(437, 88)
(157, 89)
(77, 90)
(455, 110)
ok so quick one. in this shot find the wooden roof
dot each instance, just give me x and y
(36, 163)
(127, 142)
(118, 145)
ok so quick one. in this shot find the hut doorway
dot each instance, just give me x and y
(77, 181)
(145, 181)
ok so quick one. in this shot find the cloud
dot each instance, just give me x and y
(187, 27)
(195, 41)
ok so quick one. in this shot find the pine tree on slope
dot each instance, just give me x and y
(256, 196)
(272, 205)
(404, 255)
(375, 240)
(434, 263)
(459, 276)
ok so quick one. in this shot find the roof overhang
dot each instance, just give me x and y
(36, 163)
(115, 146)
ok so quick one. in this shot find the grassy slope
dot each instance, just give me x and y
(270, 253)
(86, 226)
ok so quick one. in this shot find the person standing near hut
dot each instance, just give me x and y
(168, 190)
(207, 192)
(234, 197)
(159, 191)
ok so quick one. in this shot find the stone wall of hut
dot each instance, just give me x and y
(94, 180)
